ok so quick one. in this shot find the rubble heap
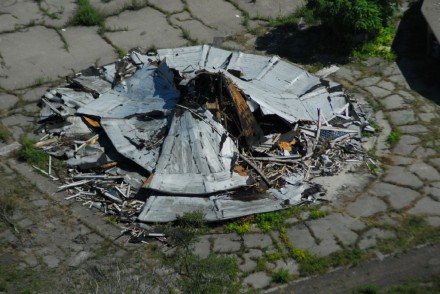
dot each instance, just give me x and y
(152, 136)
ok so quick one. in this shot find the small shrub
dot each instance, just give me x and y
(378, 47)
(281, 276)
(393, 137)
(87, 15)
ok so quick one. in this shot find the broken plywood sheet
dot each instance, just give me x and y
(195, 159)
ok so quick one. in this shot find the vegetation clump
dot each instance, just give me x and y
(87, 15)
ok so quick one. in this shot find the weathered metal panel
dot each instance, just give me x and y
(137, 139)
(194, 160)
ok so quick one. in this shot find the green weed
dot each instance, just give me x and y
(379, 47)
(32, 155)
(5, 136)
(112, 220)
(87, 15)
(393, 137)
(241, 228)
(316, 213)
(290, 21)
(135, 4)
(281, 276)
(412, 231)
(274, 256)
(121, 52)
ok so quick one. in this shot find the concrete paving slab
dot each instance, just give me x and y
(402, 117)
(270, 9)
(257, 280)
(170, 6)
(60, 11)
(400, 176)
(369, 81)
(413, 129)
(7, 101)
(51, 261)
(326, 247)
(300, 236)
(225, 17)
(402, 160)
(398, 197)
(427, 117)
(24, 11)
(335, 225)
(426, 206)
(425, 172)
(378, 92)
(257, 240)
(433, 221)
(8, 22)
(34, 94)
(225, 243)
(366, 206)
(433, 190)
(290, 265)
(35, 54)
(393, 102)
(248, 263)
(9, 149)
(369, 238)
(400, 80)
(196, 30)
(435, 162)
(18, 119)
(86, 48)
(386, 85)
(406, 145)
(203, 247)
(145, 28)
(347, 74)
(109, 7)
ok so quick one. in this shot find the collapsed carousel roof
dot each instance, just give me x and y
(208, 129)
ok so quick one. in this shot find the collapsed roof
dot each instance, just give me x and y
(209, 129)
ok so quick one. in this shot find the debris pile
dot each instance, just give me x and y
(153, 136)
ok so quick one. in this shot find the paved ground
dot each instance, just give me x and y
(55, 238)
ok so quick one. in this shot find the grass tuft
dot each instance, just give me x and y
(87, 15)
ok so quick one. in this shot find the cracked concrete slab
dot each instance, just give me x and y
(398, 197)
(141, 33)
(170, 6)
(425, 171)
(400, 176)
(402, 117)
(366, 206)
(270, 8)
(257, 280)
(195, 29)
(86, 48)
(60, 11)
(225, 17)
(226, 243)
(257, 240)
(393, 102)
(24, 12)
(300, 236)
(413, 129)
(7, 101)
(406, 145)
(426, 206)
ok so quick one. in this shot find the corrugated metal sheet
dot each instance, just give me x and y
(137, 139)
(194, 159)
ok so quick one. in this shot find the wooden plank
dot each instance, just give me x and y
(249, 126)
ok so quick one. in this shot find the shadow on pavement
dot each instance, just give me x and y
(316, 44)
(410, 44)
